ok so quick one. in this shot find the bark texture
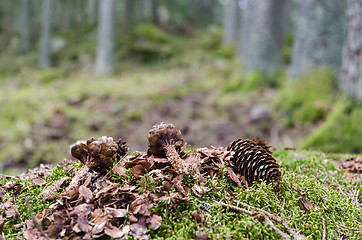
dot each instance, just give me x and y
(26, 26)
(351, 74)
(262, 35)
(46, 34)
(318, 37)
(231, 21)
(105, 52)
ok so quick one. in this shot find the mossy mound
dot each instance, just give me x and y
(310, 98)
(307, 176)
(341, 131)
(151, 43)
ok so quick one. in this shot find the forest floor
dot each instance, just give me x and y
(205, 95)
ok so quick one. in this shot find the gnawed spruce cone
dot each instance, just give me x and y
(164, 140)
(99, 154)
(253, 160)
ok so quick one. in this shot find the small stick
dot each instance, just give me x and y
(356, 198)
(349, 228)
(257, 216)
(275, 219)
(36, 224)
(277, 230)
(324, 229)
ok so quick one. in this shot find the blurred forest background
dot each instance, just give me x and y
(287, 71)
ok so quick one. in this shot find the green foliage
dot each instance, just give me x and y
(341, 132)
(152, 44)
(254, 80)
(309, 98)
(287, 48)
(210, 39)
(152, 33)
(226, 51)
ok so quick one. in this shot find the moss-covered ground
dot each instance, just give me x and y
(313, 176)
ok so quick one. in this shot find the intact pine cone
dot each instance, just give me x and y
(164, 140)
(98, 154)
(253, 160)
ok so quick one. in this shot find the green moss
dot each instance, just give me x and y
(287, 48)
(255, 80)
(314, 174)
(30, 191)
(226, 51)
(152, 33)
(341, 132)
(309, 98)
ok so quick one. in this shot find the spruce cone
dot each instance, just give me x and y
(164, 140)
(99, 155)
(253, 160)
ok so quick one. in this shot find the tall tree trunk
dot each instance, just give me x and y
(231, 21)
(318, 36)
(351, 74)
(262, 35)
(105, 59)
(155, 16)
(91, 11)
(146, 9)
(46, 34)
(26, 26)
(129, 14)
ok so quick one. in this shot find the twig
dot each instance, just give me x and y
(238, 209)
(36, 224)
(277, 230)
(275, 219)
(349, 228)
(324, 234)
(257, 216)
(356, 198)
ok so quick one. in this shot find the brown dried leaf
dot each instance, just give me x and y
(117, 213)
(54, 230)
(202, 235)
(85, 193)
(138, 171)
(39, 181)
(352, 165)
(113, 232)
(99, 224)
(138, 229)
(155, 221)
(11, 211)
(197, 190)
(119, 170)
(234, 177)
(82, 221)
(307, 206)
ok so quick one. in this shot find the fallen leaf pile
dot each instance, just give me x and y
(117, 203)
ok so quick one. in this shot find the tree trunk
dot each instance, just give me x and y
(146, 9)
(129, 14)
(105, 59)
(46, 34)
(318, 36)
(155, 17)
(262, 35)
(26, 26)
(351, 74)
(231, 21)
(91, 11)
